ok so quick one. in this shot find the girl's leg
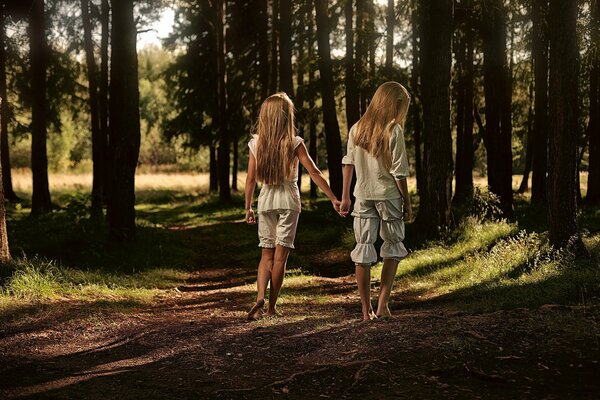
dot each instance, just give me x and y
(279, 264)
(363, 280)
(262, 280)
(387, 281)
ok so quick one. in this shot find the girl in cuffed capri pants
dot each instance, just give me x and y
(275, 151)
(377, 152)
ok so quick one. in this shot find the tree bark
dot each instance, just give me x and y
(9, 193)
(263, 38)
(223, 158)
(539, 47)
(274, 45)
(124, 122)
(464, 117)
(497, 104)
(286, 83)
(4, 250)
(352, 90)
(361, 53)
(563, 127)
(436, 57)
(38, 53)
(93, 101)
(213, 171)
(389, 43)
(416, 109)
(333, 140)
(593, 185)
(235, 167)
(103, 94)
(312, 123)
(529, 147)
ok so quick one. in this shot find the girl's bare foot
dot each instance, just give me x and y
(271, 313)
(385, 313)
(370, 316)
(256, 311)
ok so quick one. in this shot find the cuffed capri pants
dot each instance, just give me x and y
(277, 227)
(371, 215)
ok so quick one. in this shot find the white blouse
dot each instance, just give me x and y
(373, 180)
(286, 195)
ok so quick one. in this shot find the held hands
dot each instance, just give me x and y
(250, 219)
(336, 205)
(407, 213)
(345, 206)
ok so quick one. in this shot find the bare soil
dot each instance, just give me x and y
(195, 344)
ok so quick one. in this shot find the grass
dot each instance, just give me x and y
(482, 265)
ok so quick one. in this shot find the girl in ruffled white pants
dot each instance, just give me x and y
(377, 152)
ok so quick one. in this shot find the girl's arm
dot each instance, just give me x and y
(403, 188)
(250, 186)
(345, 205)
(315, 174)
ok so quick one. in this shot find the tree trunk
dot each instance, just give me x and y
(92, 75)
(389, 43)
(274, 45)
(9, 193)
(562, 177)
(497, 104)
(4, 251)
(414, 82)
(352, 91)
(332, 130)
(103, 95)
(286, 83)
(361, 54)
(300, 90)
(436, 57)
(593, 185)
(234, 169)
(213, 172)
(539, 47)
(464, 116)
(263, 38)
(124, 122)
(38, 52)
(529, 147)
(224, 140)
(312, 123)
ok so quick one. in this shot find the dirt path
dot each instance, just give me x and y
(195, 344)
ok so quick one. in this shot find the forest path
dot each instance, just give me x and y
(194, 342)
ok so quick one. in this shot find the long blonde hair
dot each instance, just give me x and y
(388, 106)
(275, 145)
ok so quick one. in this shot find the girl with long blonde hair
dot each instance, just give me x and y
(275, 151)
(377, 152)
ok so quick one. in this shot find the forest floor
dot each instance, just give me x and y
(489, 312)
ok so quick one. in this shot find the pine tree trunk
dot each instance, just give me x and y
(300, 90)
(414, 82)
(563, 126)
(274, 45)
(213, 171)
(333, 140)
(124, 122)
(464, 116)
(436, 62)
(286, 83)
(223, 158)
(235, 167)
(352, 91)
(92, 75)
(497, 104)
(4, 250)
(528, 149)
(103, 95)
(38, 54)
(312, 123)
(539, 48)
(593, 185)
(389, 43)
(9, 193)
(263, 49)
(361, 54)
